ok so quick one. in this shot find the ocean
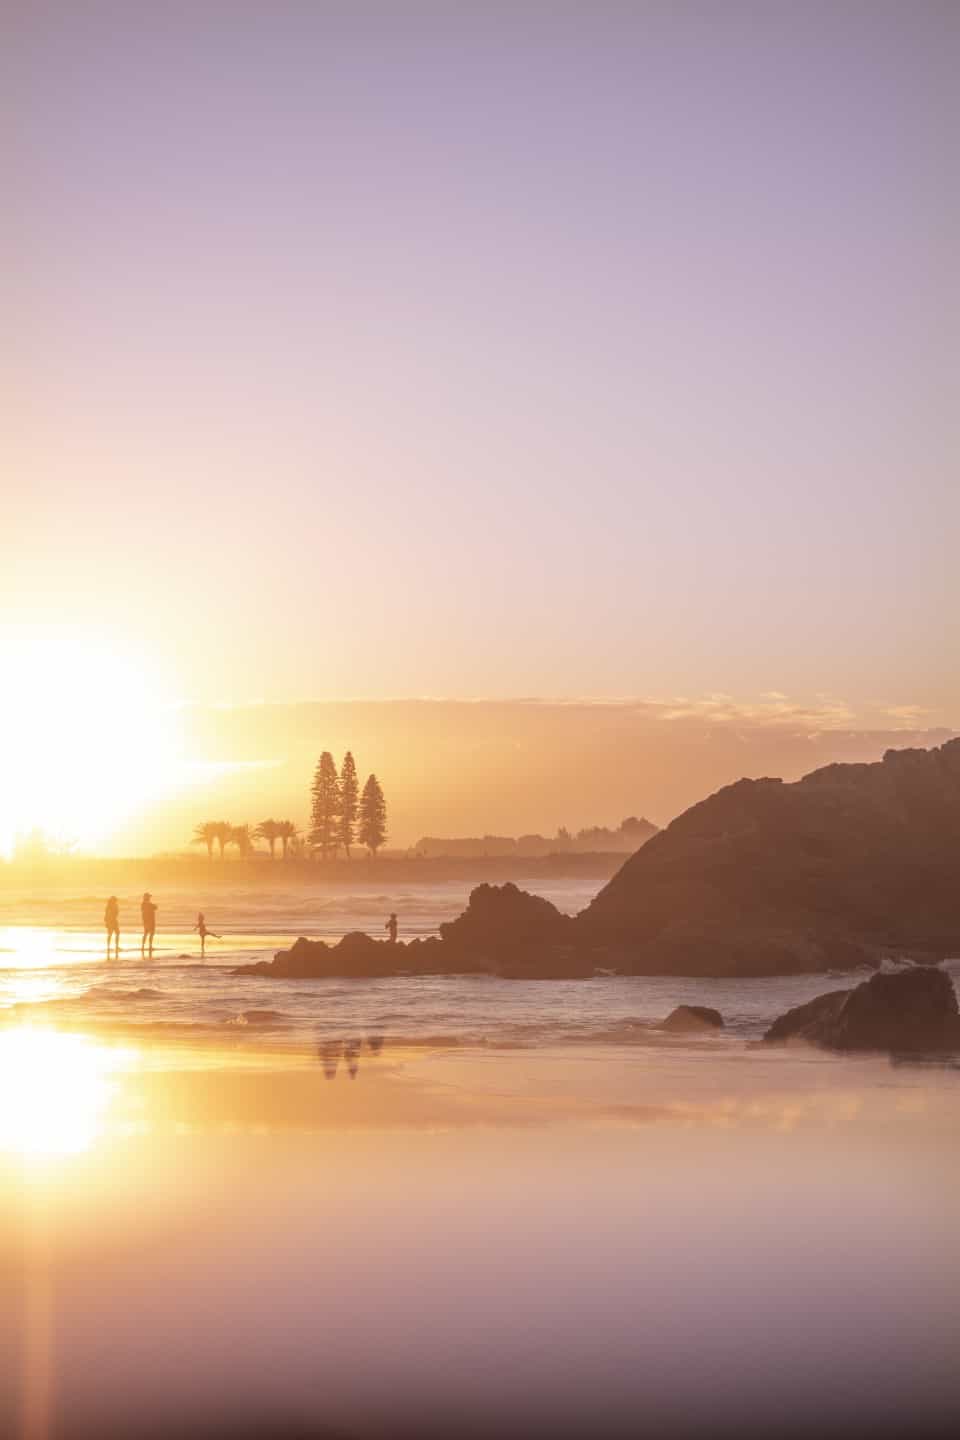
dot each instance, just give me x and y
(52, 961)
(520, 1207)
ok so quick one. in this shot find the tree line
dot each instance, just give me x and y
(341, 815)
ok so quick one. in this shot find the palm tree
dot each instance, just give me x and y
(286, 831)
(222, 834)
(241, 837)
(205, 834)
(268, 830)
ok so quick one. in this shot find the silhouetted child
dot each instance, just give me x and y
(111, 919)
(391, 929)
(148, 912)
(203, 932)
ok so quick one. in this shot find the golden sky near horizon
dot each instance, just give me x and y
(608, 358)
(97, 754)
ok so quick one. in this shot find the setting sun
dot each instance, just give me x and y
(86, 741)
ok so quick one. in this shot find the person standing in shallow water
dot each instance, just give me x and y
(149, 913)
(391, 929)
(111, 919)
(203, 932)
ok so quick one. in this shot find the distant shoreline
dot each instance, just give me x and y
(109, 873)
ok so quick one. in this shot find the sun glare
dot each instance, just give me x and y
(86, 739)
(54, 1090)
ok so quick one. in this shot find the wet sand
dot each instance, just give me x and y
(680, 1241)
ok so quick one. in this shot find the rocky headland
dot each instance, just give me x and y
(844, 868)
(848, 866)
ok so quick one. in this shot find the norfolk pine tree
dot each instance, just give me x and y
(325, 806)
(373, 816)
(349, 792)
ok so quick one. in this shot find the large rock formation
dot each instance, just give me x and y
(838, 869)
(498, 915)
(356, 954)
(503, 931)
(848, 865)
(509, 932)
(913, 1011)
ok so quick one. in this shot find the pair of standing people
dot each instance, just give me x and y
(148, 914)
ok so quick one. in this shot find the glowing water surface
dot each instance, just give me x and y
(55, 1089)
(706, 1239)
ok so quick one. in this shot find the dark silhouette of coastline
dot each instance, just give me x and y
(183, 871)
(849, 865)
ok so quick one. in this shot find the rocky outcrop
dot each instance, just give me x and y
(807, 1022)
(503, 915)
(912, 1011)
(839, 869)
(508, 932)
(687, 1018)
(503, 931)
(355, 954)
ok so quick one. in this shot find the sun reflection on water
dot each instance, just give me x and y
(28, 947)
(55, 1089)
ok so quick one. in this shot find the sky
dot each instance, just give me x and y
(543, 350)
(455, 767)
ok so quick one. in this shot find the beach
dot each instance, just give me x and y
(480, 1244)
(550, 1218)
(52, 969)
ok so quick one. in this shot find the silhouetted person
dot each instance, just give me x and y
(149, 913)
(111, 919)
(391, 929)
(203, 932)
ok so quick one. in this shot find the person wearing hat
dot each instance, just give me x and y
(149, 912)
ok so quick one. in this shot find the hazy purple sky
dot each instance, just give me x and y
(480, 349)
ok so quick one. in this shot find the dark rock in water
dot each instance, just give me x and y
(693, 1017)
(837, 870)
(508, 932)
(908, 1012)
(355, 954)
(358, 943)
(503, 915)
(304, 960)
(803, 1022)
(503, 931)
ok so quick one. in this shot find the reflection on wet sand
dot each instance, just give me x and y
(331, 1052)
(55, 1089)
(460, 1241)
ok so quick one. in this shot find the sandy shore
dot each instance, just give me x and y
(202, 1241)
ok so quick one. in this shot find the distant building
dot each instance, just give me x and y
(628, 837)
